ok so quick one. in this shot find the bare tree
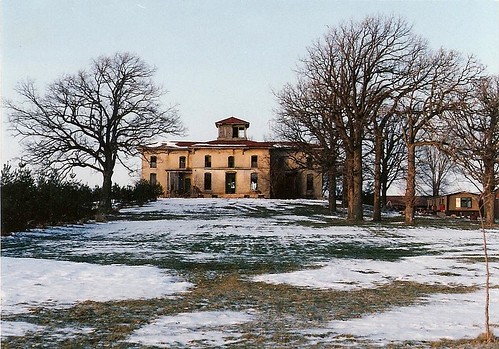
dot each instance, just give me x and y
(94, 118)
(441, 79)
(309, 125)
(434, 167)
(360, 68)
(387, 143)
(472, 140)
(392, 162)
(385, 164)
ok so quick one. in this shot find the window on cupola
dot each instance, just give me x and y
(238, 132)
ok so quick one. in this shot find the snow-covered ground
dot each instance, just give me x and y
(441, 316)
(136, 258)
(29, 283)
(214, 328)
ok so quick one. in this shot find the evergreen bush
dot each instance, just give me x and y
(29, 202)
(48, 200)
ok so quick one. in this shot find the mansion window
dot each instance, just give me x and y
(181, 162)
(207, 181)
(207, 161)
(254, 161)
(230, 162)
(310, 162)
(230, 183)
(153, 162)
(254, 182)
(152, 179)
(310, 182)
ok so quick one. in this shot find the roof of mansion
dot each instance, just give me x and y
(245, 143)
(220, 142)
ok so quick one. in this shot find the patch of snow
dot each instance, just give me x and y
(213, 328)
(28, 283)
(350, 274)
(21, 329)
(441, 316)
(18, 328)
(71, 332)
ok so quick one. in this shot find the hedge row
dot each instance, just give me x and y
(28, 201)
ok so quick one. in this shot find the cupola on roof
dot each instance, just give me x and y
(232, 121)
(232, 129)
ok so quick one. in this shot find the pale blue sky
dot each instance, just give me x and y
(216, 58)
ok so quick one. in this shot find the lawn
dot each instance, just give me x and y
(184, 273)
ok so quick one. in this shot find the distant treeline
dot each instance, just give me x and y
(29, 201)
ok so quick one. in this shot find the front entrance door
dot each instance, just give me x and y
(230, 183)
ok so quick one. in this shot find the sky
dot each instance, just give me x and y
(216, 58)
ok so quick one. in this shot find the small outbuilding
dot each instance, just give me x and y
(458, 204)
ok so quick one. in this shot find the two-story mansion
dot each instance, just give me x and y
(231, 166)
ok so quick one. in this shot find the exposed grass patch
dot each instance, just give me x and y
(475, 343)
(218, 256)
(479, 259)
(282, 311)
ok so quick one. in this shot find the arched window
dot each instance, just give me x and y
(230, 162)
(153, 161)
(207, 161)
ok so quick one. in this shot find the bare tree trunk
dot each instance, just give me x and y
(488, 203)
(332, 188)
(488, 193)
(105, 199)
(357, 209)
(345, 182)
(384, 193)
(488, 333)
(378, 153)
(410, 191)
(350, 186)
(384, 184)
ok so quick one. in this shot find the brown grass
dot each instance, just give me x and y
(282, 312)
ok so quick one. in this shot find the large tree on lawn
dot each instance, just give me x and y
(442, 79)
(359, 69)
(94, 118)
(472, 139)
(308, 123)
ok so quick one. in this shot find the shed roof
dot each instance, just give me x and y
(459, 193)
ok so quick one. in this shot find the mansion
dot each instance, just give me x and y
(232, 166)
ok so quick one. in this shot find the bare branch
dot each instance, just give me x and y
(95, 117)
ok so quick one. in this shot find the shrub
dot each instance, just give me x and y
(48, 200)
(18, 192)
(144, 191)
(140, 193)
